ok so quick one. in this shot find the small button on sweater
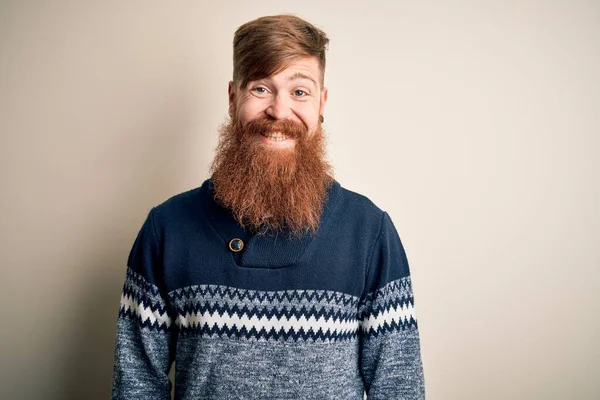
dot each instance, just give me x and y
(324, 316)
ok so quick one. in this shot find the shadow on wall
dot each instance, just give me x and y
(89, 360)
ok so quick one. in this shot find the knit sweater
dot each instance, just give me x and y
(324, 316)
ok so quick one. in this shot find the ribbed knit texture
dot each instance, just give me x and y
(319, 317)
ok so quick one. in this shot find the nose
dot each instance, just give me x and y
(280, 107)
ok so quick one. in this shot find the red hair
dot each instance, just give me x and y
(266, 45)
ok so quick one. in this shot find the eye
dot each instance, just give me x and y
(300, 93)
(260, 89)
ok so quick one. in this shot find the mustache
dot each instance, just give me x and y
(262, 126)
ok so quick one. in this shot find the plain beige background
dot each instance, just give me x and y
(475, 124)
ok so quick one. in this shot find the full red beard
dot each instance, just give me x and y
(270, 189)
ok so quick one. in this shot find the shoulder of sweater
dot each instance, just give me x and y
(359, 203)
(180, 201)
(357, 213)
(179, 207)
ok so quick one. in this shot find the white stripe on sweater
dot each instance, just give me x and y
(400, 314)
(331, 324)
(145, 313)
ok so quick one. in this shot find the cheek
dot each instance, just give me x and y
(310, 118)
(248, 111)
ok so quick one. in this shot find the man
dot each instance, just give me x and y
(270, 281)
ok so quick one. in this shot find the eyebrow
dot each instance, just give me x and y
(300, 75)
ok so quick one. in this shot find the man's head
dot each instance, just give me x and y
(270, 166)
(279, 72)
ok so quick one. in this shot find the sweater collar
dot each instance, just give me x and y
(262, 250)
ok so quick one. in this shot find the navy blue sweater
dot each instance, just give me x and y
(328, 316)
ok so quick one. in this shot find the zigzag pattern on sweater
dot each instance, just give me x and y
(220, 292)
(141, 302)
(152, 324)
(308, 315)
(288, 315)
(263, 335)
(388, 309)
(137, 281)
(291, 315)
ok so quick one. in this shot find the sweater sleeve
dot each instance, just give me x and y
(144, 345)
(390, 355)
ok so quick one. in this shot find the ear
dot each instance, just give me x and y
(324, 95)
(231, 93)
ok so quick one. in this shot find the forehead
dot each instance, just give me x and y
(306, 68)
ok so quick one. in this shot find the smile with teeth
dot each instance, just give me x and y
(275, 136)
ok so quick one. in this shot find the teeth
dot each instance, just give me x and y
(276, 136)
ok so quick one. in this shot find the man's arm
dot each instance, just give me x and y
(390, 355)
(144, 346)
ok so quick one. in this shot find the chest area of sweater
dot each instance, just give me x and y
(321, 265)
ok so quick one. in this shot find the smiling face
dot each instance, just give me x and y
(270, 167)
(274, 147)
(295, 94)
